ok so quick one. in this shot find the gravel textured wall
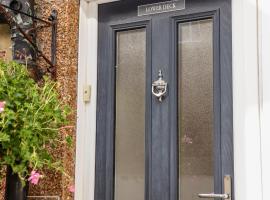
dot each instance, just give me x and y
(55, 184)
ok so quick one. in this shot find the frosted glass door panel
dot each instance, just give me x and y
(196, 162)
(130, 115)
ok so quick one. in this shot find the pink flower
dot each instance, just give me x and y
(34, 178)
(71, 188)
(2, 106)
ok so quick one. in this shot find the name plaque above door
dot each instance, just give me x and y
(155, 8)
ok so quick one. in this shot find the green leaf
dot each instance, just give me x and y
(31, 120)
(4, 137)
(69, 141)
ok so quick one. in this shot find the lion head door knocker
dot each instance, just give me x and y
(159, 87)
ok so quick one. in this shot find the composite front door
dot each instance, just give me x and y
(164, 115)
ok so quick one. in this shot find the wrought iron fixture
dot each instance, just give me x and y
(10, 9)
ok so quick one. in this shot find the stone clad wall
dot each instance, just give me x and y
(55, 184)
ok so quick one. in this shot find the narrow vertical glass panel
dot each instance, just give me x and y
(196, 167)
(130, 115)
(5, 42)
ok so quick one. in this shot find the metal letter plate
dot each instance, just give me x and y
(155, 8)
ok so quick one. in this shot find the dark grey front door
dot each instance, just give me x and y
(179, 144)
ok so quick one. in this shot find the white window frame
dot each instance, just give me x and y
(247, 94)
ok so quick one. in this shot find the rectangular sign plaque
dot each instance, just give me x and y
(155, 8)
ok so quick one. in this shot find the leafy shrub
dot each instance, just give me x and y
(30, 121)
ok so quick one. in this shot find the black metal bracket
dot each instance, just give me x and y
(53, 19)
(51, 22)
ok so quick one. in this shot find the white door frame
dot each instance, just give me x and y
(264, 53)
(246, 94)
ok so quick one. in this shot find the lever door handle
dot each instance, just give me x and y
(222, 196)
(227, 190)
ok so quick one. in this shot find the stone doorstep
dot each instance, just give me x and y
(43, 198)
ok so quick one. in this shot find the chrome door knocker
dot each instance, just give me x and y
(159, 87)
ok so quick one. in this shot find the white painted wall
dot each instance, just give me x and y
(251, 100)
(265, 93)
(247, 148)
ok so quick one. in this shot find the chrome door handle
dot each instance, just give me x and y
(222, 196)
(227, 190)
(159, 87)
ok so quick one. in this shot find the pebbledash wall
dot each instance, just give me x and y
(55, 184)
